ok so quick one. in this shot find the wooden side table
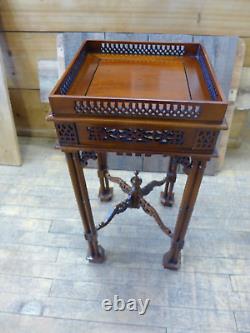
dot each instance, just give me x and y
(138, 98)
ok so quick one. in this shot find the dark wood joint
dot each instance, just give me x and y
(90, 236)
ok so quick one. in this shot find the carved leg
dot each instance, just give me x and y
(96, 252)
(167, 196)
(172, 259)
(105, 192)
(148, 209)
(119, 208)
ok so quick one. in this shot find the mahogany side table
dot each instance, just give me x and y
(138, 98)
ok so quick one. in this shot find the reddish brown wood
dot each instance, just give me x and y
(140, 79)
(105, 191)
(143, 98)
(167, 196)
(96, 252)
(172, 258)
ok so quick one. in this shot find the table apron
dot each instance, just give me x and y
(138, 140)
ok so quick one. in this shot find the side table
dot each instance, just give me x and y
(138, 98)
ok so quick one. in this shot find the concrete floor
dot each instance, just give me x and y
(47, 286)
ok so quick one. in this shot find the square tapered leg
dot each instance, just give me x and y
(172, 258)
(105, 191)
(96, 252)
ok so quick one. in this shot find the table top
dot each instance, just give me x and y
(140, 76)
(140, 79)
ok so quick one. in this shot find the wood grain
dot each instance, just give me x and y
(243, 98)
(247, 55)
(30, 113)
(240, 119)
(239, 123)
(235, 82)
(22, 51)
(156, 79)
(190, 17)
(9, 149)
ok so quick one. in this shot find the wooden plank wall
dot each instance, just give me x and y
(29, 31)
(9, 149)
(22, 51)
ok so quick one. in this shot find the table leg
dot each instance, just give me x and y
(172, 258)
(96, 252)
(167, 196)
(105, 191)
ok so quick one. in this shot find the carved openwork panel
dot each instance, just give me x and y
(138, 135)
(66, 133)
(138, 109)
(206, 139)
(207, 77)
(143, 49)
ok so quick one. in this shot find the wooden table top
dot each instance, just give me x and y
(146, 77)
(149, 80)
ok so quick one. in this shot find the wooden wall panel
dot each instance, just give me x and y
(169, 16)
(30, 113)
(247, 54)
(9, 148)
(22, 50)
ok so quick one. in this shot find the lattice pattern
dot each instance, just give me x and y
(139, 135)
(138, 109)
(207, 77)
(66, 133)
(206, 139)
(72, 74)
(143, 49)
(87, 155)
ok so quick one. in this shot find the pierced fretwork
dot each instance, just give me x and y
(135, 200)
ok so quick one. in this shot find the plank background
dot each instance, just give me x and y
(9, 149)
(29, 29)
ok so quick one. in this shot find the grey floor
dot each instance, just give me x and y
(47, 286)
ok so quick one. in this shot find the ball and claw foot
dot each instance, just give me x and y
(167, 200)
(98, 258)
(169, 263)
(106, 195)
